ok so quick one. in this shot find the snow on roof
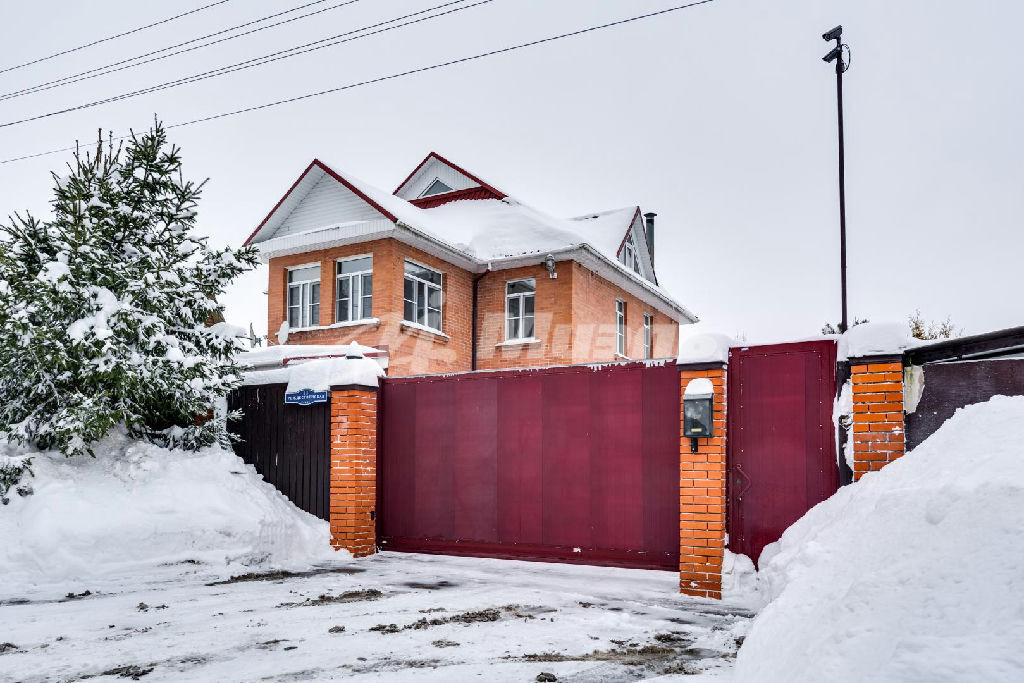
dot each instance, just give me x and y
(606, 229)
(279, 355)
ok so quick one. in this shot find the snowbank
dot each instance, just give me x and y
(916, 573)
(140, 506)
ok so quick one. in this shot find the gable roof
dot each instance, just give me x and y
(477, 234)
(498, 194)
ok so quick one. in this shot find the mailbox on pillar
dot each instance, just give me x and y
(698, 411)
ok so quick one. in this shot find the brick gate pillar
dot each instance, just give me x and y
(702, 492)
(878, 426)
(354, 469)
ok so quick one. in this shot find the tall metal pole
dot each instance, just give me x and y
(836, 55)
(843, 326)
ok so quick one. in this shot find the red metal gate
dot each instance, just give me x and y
(781, 446)
(569, 464)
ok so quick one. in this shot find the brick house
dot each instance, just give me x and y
(449, 273)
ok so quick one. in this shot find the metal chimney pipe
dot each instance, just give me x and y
(649, 227)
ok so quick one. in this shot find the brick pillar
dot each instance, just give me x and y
(354, 469)
(702, 494)
(878, 429)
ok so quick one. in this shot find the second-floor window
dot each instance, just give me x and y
(620, 327)
(354, 289)
(648, 336)
(304, 296)
(422, 296)
(519, 308)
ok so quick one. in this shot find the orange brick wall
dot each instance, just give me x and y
(354, 470)
(593, 315)
(702, 497)
(878, 427)
(574, 315)
(411, 351)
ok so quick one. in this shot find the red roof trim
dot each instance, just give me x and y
(435, 200)
(434, 155)
(629, 226)
(326, 169)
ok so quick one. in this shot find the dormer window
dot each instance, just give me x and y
(436, 187)
(629, 256)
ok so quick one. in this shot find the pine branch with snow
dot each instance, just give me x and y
(104, 308)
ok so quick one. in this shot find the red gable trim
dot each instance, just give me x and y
(326, 169)
(434, 155)
(629, 226)
(433, 200)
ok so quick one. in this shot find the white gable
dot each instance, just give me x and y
(434, 169)
(328, 202)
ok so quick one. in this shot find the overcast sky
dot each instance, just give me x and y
(721, 118)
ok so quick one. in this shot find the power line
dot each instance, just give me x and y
(267, 59)
(402, 74)
(133, 62)
(114, 37)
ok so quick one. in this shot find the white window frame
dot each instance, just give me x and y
(620, 327)
(630, 257)
(426, 289)
(648, 335)
(306, 302)
(426, 190)
(355, 304)
(521, 296)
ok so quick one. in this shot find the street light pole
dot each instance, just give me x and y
(836, 55)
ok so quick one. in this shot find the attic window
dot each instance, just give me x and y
(436, 187)
(629, 256)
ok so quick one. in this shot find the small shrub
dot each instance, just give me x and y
(12, 471)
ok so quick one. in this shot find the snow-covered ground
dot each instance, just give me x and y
(122, 566)
(389, 617)
(916, 573)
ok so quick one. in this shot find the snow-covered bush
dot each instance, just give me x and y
(12, 473)
(104, 308)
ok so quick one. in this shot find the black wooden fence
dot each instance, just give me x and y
(288, 444)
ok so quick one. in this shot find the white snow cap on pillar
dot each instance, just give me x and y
(700, 387)
(876, 339)
(707, 347)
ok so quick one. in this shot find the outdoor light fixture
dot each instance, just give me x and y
(698, 411)
(549, 263)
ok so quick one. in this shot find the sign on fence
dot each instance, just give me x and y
(306, 397)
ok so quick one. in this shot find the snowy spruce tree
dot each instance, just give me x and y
(104, 308)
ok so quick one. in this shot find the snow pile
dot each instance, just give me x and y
(276, 356)
(707, 347)
(138, 506)
(914, 573)
(876, 339)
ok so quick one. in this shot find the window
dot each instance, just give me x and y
(422, 296)
(620, 327)
(354, 289)
(436, 187)
(648, 336)
(304, 296)
(519, 303)
(629, 256)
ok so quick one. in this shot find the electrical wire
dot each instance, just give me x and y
(117, 66)
(114, 37)
(402, 74)
(269, 58)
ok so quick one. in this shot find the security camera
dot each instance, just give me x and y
(834, 34)
(833, 55)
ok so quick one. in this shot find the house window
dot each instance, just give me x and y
(436, 187)
(648, 336)
(519, 308)
(629, 256)
(354, 289)
(422, 296)
(304, 296)
(620, 327)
